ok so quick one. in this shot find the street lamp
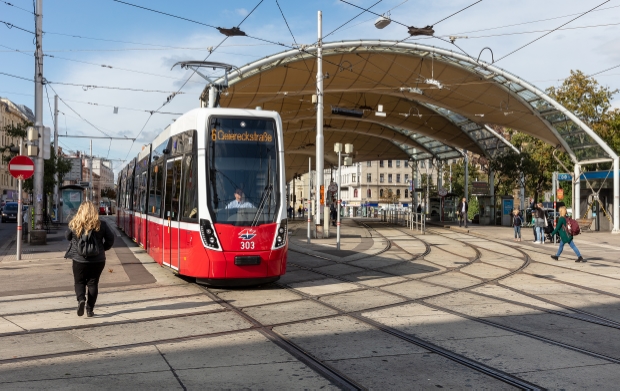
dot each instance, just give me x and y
(348, 149)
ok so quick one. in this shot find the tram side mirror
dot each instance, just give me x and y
(166, 151)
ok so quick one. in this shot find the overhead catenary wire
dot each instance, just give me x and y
(14, 6)
(350, 20)
(165, 13)
(457, 12)
(557, 28)
(290, 31)
(78, 114)
(193, 73)
(12, 26)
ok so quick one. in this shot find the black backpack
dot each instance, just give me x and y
(87, 245)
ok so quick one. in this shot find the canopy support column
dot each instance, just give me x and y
(577, 192)
(492, 192)
(319, 120)
(466, 161)
(616, 205)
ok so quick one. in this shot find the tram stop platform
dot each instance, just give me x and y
(391, 309)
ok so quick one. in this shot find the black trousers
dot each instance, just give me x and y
(87, 275)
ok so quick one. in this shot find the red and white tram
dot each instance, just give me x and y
(207, 197)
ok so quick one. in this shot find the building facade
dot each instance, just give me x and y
(368, 186)
(10, 114)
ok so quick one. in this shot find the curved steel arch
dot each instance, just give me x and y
(580, 142)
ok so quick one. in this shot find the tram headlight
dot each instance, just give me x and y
(208, 236)
(281, 237)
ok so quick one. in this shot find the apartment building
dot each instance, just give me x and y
(10, 114)
(371, 184)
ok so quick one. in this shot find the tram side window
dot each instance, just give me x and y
(189, 206)
(142, 193)
(136, 192)
(156, 187)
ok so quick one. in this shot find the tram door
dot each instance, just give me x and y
(171, 213)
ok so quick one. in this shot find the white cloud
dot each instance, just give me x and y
(241, 11)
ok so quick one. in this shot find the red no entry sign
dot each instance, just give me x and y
(21, 167)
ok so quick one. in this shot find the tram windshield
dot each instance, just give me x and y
(242, 171)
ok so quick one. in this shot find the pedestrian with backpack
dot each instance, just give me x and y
(89, 239)
(517, 221)
(567, 228)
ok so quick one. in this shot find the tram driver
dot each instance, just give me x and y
(239, 202)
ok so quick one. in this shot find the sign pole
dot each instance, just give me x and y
(19, 209)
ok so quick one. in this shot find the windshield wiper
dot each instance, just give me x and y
(262, 203)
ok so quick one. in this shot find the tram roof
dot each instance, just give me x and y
(437, 103)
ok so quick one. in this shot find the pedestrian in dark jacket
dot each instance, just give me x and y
(461, 211)
(565, 236)
(87, 270)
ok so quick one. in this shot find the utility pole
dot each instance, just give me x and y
(56, 200)
(319, 119)
(90, 166)
(38, 235)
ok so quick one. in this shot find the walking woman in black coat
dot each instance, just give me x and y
(87, 270)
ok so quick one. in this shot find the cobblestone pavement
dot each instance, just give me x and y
(392, 309)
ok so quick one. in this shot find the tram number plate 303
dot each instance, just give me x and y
(247, 245)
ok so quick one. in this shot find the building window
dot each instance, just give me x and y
(397, 178)
(389, 163)
(398, 163)
(389, 178)
(422, 165)
(355, 193)
(406, 163)
(381, 193)
(353, 178)
(380, 163)
(368, 178)
(382, 178)
(369, 193)
(406, 177)
(398, 193)
(406, 193)
(369, 164)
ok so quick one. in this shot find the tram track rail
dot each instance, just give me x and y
(579, 314)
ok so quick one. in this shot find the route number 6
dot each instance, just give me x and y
(247, 245)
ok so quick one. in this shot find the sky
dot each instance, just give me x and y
(108, 43)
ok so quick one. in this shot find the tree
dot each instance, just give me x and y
(389, 197)
(108, 192)
(18, 131)
(51, 166)
(458, 176)
(591, 102)
(512, 170)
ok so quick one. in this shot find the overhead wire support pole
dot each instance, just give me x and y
(20, 212)
(38, 234)
(56, 201)
(319, 118)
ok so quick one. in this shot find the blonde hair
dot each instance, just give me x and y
(86, 219)
(562, 211)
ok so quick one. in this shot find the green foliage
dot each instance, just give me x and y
(473, 208)
(18, 131)
(458, 177)
(389, 196)
(591, 102)
(508, 168)
(51, 166)
(108, 192)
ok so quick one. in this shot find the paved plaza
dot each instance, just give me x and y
(392, 309)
